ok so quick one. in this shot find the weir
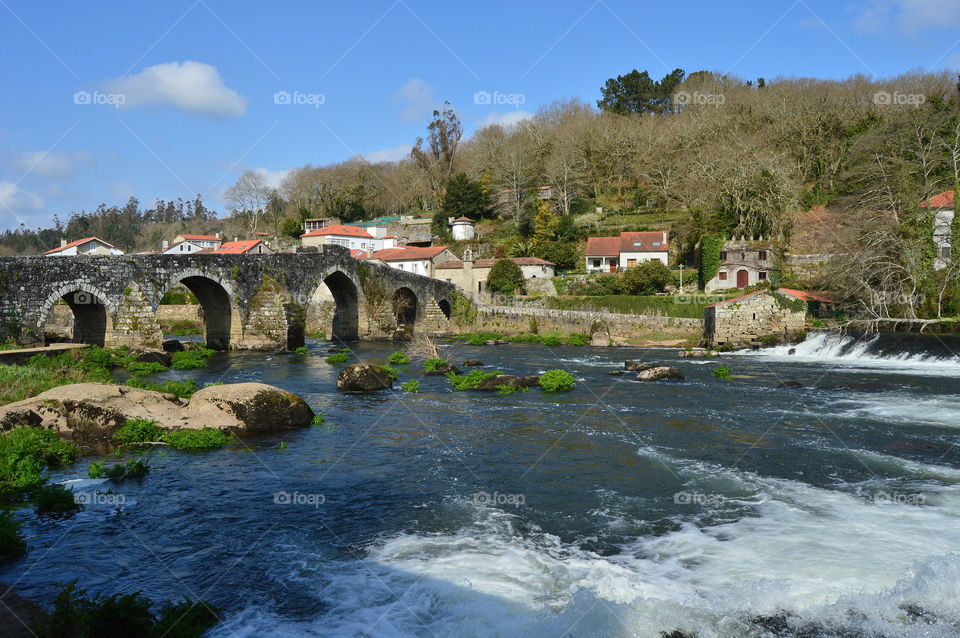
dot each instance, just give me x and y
(248, 301)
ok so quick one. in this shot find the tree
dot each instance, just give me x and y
(648, 278)
(636, 92)
(248, 197)
(464, 198)
(505, 277)
(436, 162)
(544, 224)
(292, 227)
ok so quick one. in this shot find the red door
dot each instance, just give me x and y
(613, 268)
(743, 279)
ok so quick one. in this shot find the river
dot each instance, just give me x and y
(718, 508)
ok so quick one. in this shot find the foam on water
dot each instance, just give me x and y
(828, 557)
(859, 352)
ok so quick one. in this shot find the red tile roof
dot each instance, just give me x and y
(77, 243)
(339, 229)
(356, 253)
(939, 201)
(806, 295)
(488, 263)
(649, 241)
(603, 247)
(409, 253)
(199, 237)
(463, 218)
(236, 247)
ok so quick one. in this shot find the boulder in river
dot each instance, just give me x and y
(443, 369)
(363, 377)
(471, 363)
(252, 407)
(172, 345)
(151, 355)
(530, 381)
(615, 373)
(491, 384)
(660, 373)
(599, 333)
(637, 366)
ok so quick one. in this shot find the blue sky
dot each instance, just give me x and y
(198, 78)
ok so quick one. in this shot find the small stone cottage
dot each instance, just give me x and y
(762, 314)
(745, 262)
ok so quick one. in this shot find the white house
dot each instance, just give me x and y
(204, 241)
(419, 260)
(88, 246)
(471, 275)
(181, 248)
(352, 237)
(630, 249)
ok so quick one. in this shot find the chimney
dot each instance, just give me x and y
(164, 244)
(63, 243)
(235, 239)
(664, 236)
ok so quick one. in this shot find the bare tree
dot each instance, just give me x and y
(248, 198)
(437, 162)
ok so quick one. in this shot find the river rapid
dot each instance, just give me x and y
(711, 507)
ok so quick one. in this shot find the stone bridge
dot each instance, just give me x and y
(248, 301)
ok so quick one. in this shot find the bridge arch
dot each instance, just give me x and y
(405, 307)
(344, 321)
(221, 317)
(445, 308)
(92, 312)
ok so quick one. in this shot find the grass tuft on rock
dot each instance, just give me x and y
(411, 386)
(138, 431)
(431, 365)
(556, 381)
(190, 359)
(142, 368)
(470, 381)
(337, 358)
(193, 440)
(182, 389)
(399, 358)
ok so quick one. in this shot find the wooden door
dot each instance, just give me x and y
(743, 279)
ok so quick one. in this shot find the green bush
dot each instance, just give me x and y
(551, 341)
(97, 356)
(140, 369)
(190, 359)
(26, 453)
(722, 372)
(472, 380)
(338, 358)
(578, 339)
(394, 375)
(317, 419)
(205, 439)
(399, 358)
(431, 365)
(79, 615)
(556, 381)
(119, 472)
(96, 469)
(505, 277)
(138, 431)
(12, 542)
(40, 373)
(648, 278)
(182, 389)
(301, 350)
(54, 499)
(411, 386)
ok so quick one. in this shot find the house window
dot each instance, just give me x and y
(631, 263)
(596, 263)
(763, 275)
(723, 255)
(723, 275)
(763, 255)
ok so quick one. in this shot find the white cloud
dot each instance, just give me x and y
(418, 98)
(16, 201)
(394, 154)
(121, 190)
(872, 17)
(193, 87)
(913, 15)
(504, 119)
(272, 178)
(52, 164)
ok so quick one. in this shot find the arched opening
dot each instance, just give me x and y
(405, 309)
(346, 313)
(78, 317)
(743, 278)
(445, 307)
(217, 310)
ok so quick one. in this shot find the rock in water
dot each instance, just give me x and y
(490, 384)
(172, 345)
(363, 377)
(442, 370)
(637, 366)
(599, 333)
(660, 373)
(530, 381)
(470, 363)
(152, 355)
(253, 407)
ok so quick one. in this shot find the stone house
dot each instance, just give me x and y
(629, 250)
(419, 260)
(471, 275)
(744, 320)
(86, 246)
(745, 262)
(944, 207)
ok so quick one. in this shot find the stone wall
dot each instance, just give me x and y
(752, 318)
(168, 313)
